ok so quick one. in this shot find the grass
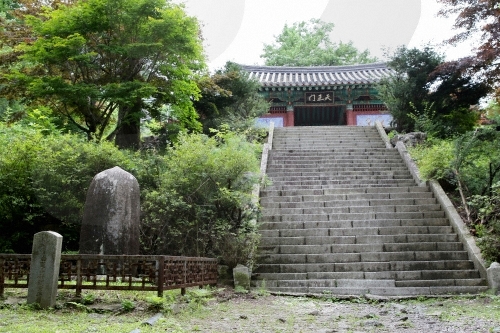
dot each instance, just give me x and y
(99, 311)
(207, 309)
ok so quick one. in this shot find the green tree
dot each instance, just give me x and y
(422, 85)
(477, 19)
(44, 180)
(102, 63)
(202, 203)
(229, 97)
(407, 89)
(309, 44)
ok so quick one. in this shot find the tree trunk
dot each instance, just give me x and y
(128, 135)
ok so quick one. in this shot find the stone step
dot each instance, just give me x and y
(266, 200)
(320, 156)
(353, 224)
(345, 207)
(396, 291)
(274, 239)
(332, 175)
(362, 257)
(345, 179)
(307, 146)
(441, 282)
(367, 283)
(365, 248)
(343, 183)
(345, 190)
(387, 275)
(326, 155)
(366, 267)
(351, 203)
(335, 151)
(275, 170)
(328, 174)
(352, 216)
(359, 162)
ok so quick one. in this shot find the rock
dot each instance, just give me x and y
(373, 323)
(111, 214)
(241, 275)
(410, 139)
(314, 313)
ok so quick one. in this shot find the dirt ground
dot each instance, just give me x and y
(224, 310)
(251, 313)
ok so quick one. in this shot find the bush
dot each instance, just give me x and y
(195, 199)
(204, 198)
(44, 181)
(487, 223)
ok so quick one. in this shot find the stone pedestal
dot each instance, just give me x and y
(44, 269)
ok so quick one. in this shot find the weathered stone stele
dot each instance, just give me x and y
(44, 269)
(111, 214)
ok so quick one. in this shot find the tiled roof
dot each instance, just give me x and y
(278, 76)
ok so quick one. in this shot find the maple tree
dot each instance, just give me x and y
(101, 63)
(477, 18)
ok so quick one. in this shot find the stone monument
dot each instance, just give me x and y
(44, 269)
(111, 214)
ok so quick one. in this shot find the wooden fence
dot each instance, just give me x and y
(115, 272)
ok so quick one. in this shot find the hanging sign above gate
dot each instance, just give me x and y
(319, 97)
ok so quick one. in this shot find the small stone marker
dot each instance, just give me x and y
(44, 269)
(241, 275)
(494, 276)
(111, 214)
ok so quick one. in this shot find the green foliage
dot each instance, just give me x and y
(203, 198)
(128, 305)
(425, 120)
(434, 160)
(90, 60)
(425, 92)
(88, 298)
(43, 183)
(406, 90)
(196, 196)
(309, 44)
(487, 225)
(229, 97)
(469, 165)
(155, 303)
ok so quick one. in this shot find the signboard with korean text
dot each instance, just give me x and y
(324, 97)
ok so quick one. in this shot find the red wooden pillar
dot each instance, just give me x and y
(350, 116)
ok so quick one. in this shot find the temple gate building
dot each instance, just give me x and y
(324, 95)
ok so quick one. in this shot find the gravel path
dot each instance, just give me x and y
(247, 313)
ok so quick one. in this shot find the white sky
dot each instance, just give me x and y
(236, 30)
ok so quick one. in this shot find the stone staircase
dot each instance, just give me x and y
(344, 216)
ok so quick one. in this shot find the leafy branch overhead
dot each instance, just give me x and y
(477, 19)
(90, 60)
(308, 44)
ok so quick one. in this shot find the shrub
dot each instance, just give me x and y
(203, 198)
(44, 180)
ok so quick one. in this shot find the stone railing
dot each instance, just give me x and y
(115, 272)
